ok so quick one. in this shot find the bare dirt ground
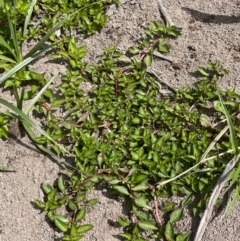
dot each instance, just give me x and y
(210, 31)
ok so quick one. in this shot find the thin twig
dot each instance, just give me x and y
(158, 219)
(156, 211)
(164, 13)
(215, 194)
(162, 56)
(161, 81)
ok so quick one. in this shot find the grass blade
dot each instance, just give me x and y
(36, 98)
(28, 122)
(215, 194)
(4, 168)
(24, 63)
(202, 160)
(28, 17)
(52, 31)
(13, 31)
(7, 46)
(233, 139)
(6, 59)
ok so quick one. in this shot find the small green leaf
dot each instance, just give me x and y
(123, 222)
(46, 188)
(74, 237)
(143, 216)
(205, 121)
(73, 229)
(136, 120)
(148, 60)
(61, 218)
(147, 225)
(84, 228)
(169, 232)
(61, 225)
(51, 215)
(81, 214)
(39, 203)
(134, 155)
(176, 215)
(52, 206)
(51, 195)
(142, 203)
(92, 202)
(203, 71)
(133, 50)
(217, 106)
(61, 184)
(163, 48)
(72, 205)
(142, 186)
(62, 200)
(127, 236)
(49, 93)
(122, 190)
(124, 59)
(116, 181)
(169, 206)
(57, 102)
(183, 237)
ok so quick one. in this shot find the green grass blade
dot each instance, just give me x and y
(52, 31)
(24, 63)
(45, 38)
(233, 139)
(7, 46)
(232, 202)
(28, 17)
(4, 168)
(29, 123)
(234, 174)
(13, 31)
(44, 149)
(6, 59)
(36, 98)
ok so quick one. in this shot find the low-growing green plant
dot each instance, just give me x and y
(123, 132)
(14, 63)
(88, 20)
(126, 134)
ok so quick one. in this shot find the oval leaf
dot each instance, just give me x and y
(147, 225)
(61, 225)
(61, 184)
(72, 205)
(46, 188)
(81, 214)
(142, 203)
(51, 195)
(84, 228)
(148, 60)
(176, 215)
(92, 202)
(169, 232)
(123, 222)
(122, 190)
(183, 237)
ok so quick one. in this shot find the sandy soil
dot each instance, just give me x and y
(210, 31)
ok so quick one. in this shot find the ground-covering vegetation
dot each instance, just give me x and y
(124, 132)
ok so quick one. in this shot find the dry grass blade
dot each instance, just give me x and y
(165, 14)
(202, 160)
(215, 194)
(223, 178)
